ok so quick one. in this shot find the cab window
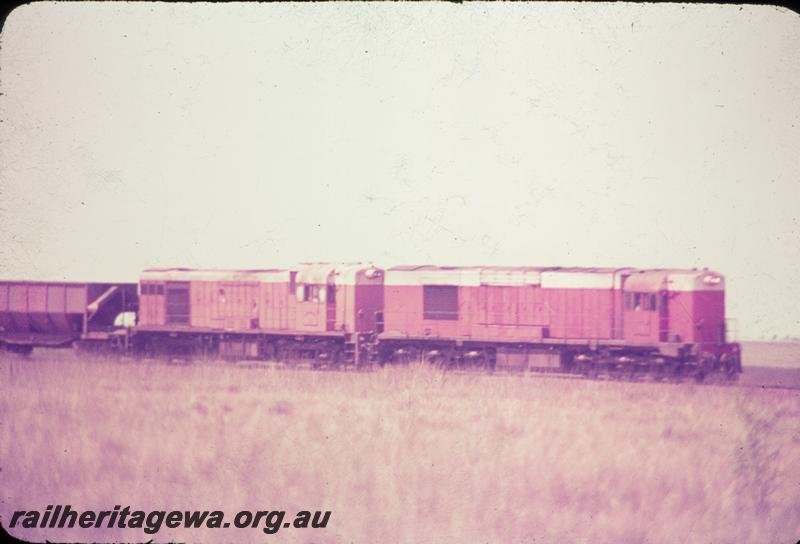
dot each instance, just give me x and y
(641, 301)
(311, 293)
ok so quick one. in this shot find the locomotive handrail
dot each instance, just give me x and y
(411, 320)
(731, 330)
(583, 325)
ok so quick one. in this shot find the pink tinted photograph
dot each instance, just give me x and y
(427, 273)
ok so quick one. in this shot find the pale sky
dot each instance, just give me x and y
(259, 135)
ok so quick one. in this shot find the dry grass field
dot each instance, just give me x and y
(407, 455)
(771, 354)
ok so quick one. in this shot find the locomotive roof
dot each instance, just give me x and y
(337, 273)
(556, 277)
(192, 274)
(546, 276)
(312, 273)
(649, 280)
(509, 268)
(675, 279)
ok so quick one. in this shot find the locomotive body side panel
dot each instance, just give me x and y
(675, 306)
(698, 316)
(647, 310)
(5, 315)
(151, 303)
(225, 300)
(274, 302)
(339, 297)
(314, 299)
(581, 302)
(369, 302)
(500, 303)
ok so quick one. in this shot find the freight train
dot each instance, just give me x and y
(660, 323)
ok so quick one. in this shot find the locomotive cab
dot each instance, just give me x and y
(338, 297)
(681, 310)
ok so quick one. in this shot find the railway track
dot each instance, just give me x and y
(772, 378)
(752, 378)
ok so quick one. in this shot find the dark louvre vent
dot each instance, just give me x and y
(440, 302)
(177, 301)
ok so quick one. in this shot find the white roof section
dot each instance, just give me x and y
(315, 273)
(338, 274)
(511, 276)
(601, 278)
(433, 275)
(189, 274)
(675, 280)
(361, 274)
(547, 277)
(647, 281)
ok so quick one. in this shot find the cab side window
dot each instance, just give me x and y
(312, 293)
(641, 301)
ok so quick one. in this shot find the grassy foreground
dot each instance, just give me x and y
(400, 455)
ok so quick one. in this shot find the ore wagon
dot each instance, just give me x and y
(59, 314)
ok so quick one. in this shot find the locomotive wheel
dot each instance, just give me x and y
(699, 376)
(701, 370)
(336, 359)
(438, 362)
(436, 359)
(410, 356)
(268, 352)
(665, 372)
(588, 370)
(485, 365)
(729, 369)
(704, 368)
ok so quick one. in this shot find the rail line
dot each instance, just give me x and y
(769, 375)
(789, 374)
